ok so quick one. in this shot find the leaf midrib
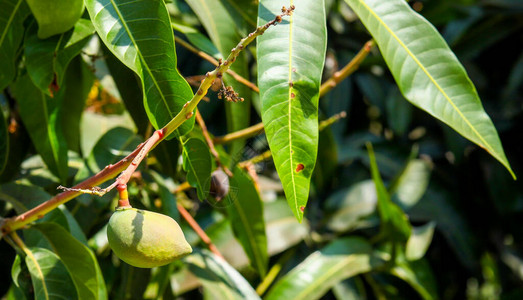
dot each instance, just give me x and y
(289, 99)
(9, 21)
(485, 143)
(142, 60)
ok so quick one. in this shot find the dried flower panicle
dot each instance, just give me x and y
(229, 94)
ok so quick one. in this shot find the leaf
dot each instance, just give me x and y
(41, 117)
(218, 278)
(49, 275)
(427, 72)
(394, 223)
(320, 271)
(12, 16)
(197, 163)
(79, 260)
(419, 241)
(350, 205)
(47, 60)
(418, 275)
(128, 84)
(282, 228)
(140, 35)
(199, 40)
(21, 279)
(4, 143)
(412, 183)
(289, 77)
(78, 82)
(399, 112)
(22, 196)
(221, 27)
(246, 216)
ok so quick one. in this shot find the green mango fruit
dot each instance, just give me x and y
(55, 16)
(146, 239)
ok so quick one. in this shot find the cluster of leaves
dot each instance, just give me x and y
(322, 220)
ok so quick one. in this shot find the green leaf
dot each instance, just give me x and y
(21, 279)
(222, 30)
(12, 16)
(311, 279)
(140, 35)
(418, 275)
(197, 163)
(427, 72)
(394, 223)
(47, 60)
(289, 76)
(22, 196)
(4, 143)
(79, 260)
(41, 117)
(55, 17)
(282, 228)
(218, 278)
(49, 275)
(412, 183)
(246, 216)
(419, 241)
(350, 205)
(78, 82)
(199, 40)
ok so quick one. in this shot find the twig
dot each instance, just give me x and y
(131, 162)
(273, 272)
(352, 66)
(208, 139)
(240, 134)
(33, 214)
(199, 231)
(213, 61)
(326, 87)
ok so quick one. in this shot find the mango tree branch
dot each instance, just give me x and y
(39, 211)
(326, 87)
(129, 164)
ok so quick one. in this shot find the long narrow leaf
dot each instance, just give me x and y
(139, 34)
(12, 16)
(323, 269)
(290, 64)
(427, 72)
(246, 215)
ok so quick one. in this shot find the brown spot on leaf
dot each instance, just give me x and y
(302, 208)
(293, 95)
(300, 167)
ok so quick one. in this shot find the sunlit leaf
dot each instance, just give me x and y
(427, 72)
(341, 259)
(289, 76)
(139, 34)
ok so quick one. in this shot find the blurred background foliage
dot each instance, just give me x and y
(459, 199)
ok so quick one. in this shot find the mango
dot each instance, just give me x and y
(145, 239)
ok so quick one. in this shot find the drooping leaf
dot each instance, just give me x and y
(221, 27)
(49, 275)
(350, 205)
(282, 228)
(427, 72)
(197, 163)
(394, 223)
(412, 183)
(199, 40)
(341, 259)
(79, 260)
(246, 215)
(419, 241)
(78, 82)
(4, 143)
(218, 278)
(289, 77)
(47, 60)
(22, 196)
(21, 279)
(55, 17)
(140, 35)
(41, 117)
(12, 16)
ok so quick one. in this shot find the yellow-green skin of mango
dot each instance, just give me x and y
(55, 16)
(146, 239)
